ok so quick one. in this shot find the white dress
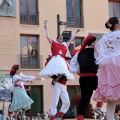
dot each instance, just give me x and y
(57, 64)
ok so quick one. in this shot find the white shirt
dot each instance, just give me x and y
(74, 65)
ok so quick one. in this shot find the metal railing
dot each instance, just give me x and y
(28, 62)
(29, 18)
(78, 21)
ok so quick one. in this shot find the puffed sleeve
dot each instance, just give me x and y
(26, 77)
(74, 65)
(16, 78)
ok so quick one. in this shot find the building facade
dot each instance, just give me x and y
(23, 40)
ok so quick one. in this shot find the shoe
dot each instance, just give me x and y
(60, 115)
(80, 117)
(51, 117)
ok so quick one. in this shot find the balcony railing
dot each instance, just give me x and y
(29, 18)
(78, 21)
(28, 62)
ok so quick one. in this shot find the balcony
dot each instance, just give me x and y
(78, 21)
(30, 18)
(31, 62)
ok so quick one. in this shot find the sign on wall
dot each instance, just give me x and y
(8, 8)
(4, 93)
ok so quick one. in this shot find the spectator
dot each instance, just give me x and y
(38, 117)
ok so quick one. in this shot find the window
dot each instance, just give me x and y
(29, 56)
(36, 94)
(74, 12)
(29, 12)
(76, 44)
(114, 8)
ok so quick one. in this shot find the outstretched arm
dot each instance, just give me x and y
(72, 38)
(47, 34)
(26, 78)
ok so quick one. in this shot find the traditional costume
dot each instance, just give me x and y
(20, 98)
(57, 63)
(59, 92)
(58, 68)
(84, 63)
(108, 58)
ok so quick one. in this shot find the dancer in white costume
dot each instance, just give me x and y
(57, 66)
(108, 58)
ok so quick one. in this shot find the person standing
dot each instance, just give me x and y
(108, 59)
(83, 63)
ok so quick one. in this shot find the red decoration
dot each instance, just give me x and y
(12, 69)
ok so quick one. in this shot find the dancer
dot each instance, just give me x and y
(83, 63)
(108, 58)
(58, 69)
(57, 65)
(20, 98)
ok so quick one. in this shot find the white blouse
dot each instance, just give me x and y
(74, 65)
(22, 78)
(9, 85)
(108, 47)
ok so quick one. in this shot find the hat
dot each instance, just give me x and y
(88, 40)
(13, 69)
(75, 51)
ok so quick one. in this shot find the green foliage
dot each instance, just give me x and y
(75, 101)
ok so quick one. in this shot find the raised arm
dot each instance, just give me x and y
(72, 38)
(47, 34)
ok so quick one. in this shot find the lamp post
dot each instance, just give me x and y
(61, 23)
(66, 34)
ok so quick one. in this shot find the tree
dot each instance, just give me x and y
(75, 101)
